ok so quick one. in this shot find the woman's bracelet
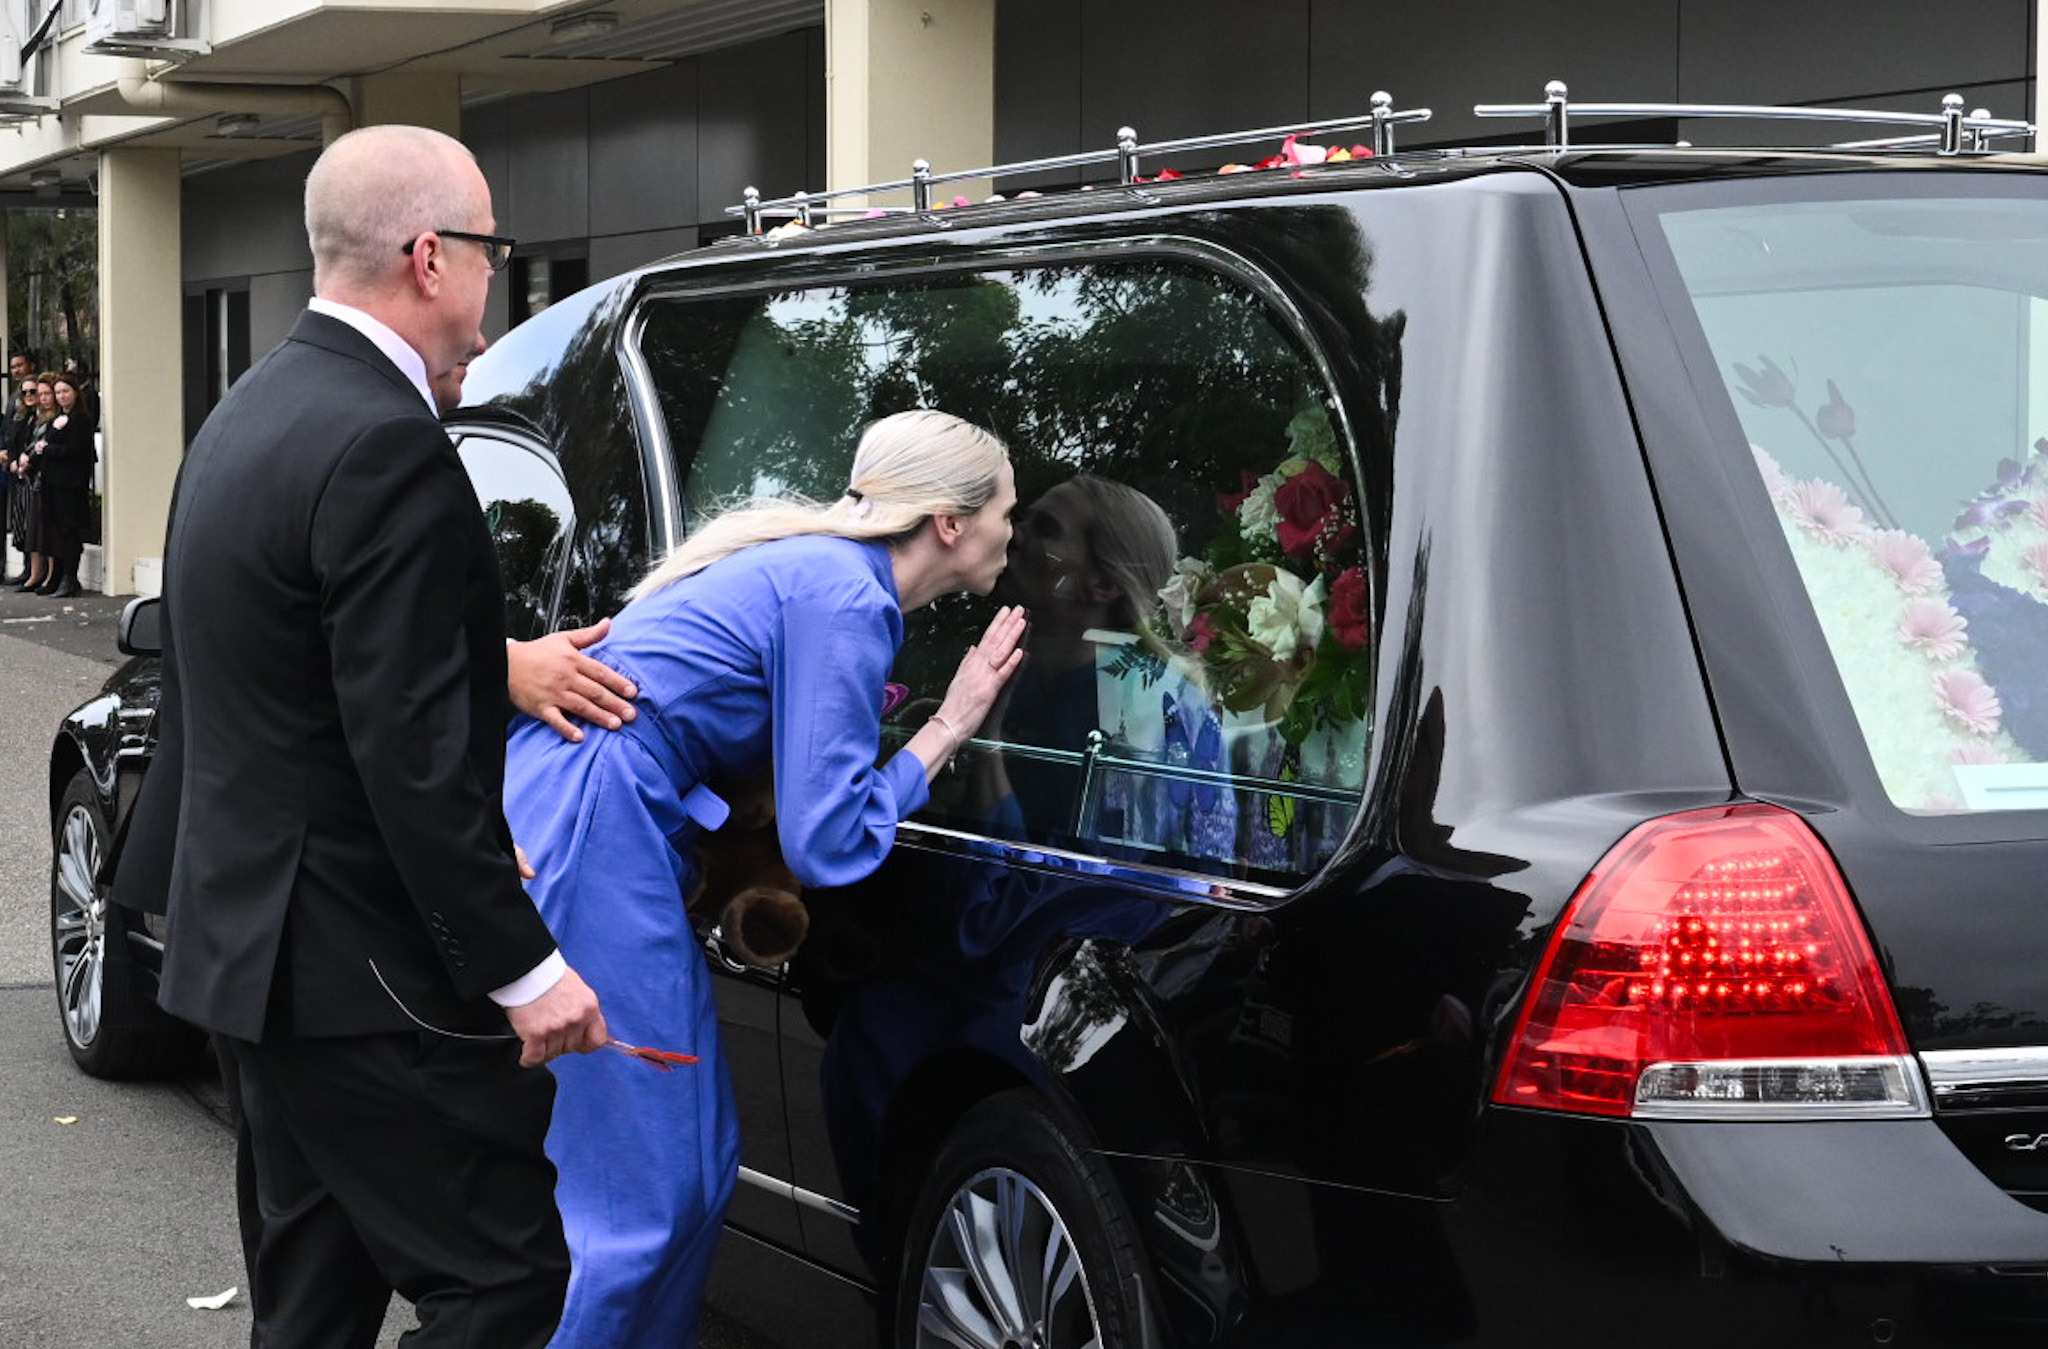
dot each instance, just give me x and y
(953, 731)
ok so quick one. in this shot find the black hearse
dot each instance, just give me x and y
(1550, 845)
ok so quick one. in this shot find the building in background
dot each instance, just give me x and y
(619, 131)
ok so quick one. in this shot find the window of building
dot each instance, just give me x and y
(541, 276)
(1187, 540)
(216, 348)
(527, 507)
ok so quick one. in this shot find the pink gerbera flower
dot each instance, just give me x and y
(1969, 754)
(2038, 513)
(1967, 700)
(1907, 558)
(1822, 508)
(1933, 629)
(1775, 481)
(2035, 560)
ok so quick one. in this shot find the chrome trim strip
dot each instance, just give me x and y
(1965, 1079)
(1148, 768)
(809, 1199)
(1164, 881)
(657, 456)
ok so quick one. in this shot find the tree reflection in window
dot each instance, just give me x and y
(1160, 377)
(527, 511)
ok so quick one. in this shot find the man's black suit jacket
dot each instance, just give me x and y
(334, 714)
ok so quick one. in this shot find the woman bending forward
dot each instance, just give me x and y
(766, 637)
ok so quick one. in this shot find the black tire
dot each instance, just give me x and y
(1013, 1177)
(105, 1004)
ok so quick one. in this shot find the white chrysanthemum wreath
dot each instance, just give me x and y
(1902, 650)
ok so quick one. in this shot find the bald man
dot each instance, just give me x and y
(346, 913)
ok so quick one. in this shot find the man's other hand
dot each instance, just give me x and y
(551, 680)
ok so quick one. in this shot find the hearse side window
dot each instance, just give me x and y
(1187, 540)
(1888, 362)
(526, 505)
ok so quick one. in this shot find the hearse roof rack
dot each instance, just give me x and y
(1951, 132)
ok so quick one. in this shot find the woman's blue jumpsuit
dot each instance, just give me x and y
(781, 651)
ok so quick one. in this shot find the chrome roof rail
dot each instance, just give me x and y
(1953, 131)
(809, 207)
(1949, 132)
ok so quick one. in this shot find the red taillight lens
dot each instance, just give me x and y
(1720, 948)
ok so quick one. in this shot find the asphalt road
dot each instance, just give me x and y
(118, 1197)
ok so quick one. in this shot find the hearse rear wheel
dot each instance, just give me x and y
(1019, 1240)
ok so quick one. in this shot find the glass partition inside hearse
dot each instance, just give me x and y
(1887, 358)
(1188, 539)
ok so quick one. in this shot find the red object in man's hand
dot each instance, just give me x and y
(664, 1059)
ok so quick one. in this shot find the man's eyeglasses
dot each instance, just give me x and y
(497, 247)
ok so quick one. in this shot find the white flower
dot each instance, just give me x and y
(1257, 520)
(1178, 595)
(1288, 617)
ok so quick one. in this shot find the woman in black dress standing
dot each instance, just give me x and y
(65, 453)
(28, 474)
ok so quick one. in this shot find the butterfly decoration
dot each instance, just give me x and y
(894, 695)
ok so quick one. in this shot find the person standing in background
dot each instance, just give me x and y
(28, 484)
(65, 453)
(13, 440)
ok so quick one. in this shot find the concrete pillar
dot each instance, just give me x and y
(141, 364)
(908, 80)
(432, 101)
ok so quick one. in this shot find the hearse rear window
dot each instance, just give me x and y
(1187, 542)
(1889, 363)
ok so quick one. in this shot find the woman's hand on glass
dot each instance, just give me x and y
(984, 670)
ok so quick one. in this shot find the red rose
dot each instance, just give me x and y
(1349, 623)
(1201, 632)
(1309, 503)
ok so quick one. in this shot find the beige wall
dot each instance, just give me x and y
(141, 303)
(888, 65)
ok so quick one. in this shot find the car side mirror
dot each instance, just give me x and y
(141, 630)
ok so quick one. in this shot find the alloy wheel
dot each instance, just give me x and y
(79, 927)
(1003, 1273)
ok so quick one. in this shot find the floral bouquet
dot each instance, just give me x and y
(1274, 623)
(1276, 615)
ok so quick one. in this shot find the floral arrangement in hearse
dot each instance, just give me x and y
(1942, 647)
(1276, 614)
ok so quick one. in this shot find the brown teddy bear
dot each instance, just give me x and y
(743, 884)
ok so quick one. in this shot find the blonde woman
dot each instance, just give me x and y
(765, 638)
